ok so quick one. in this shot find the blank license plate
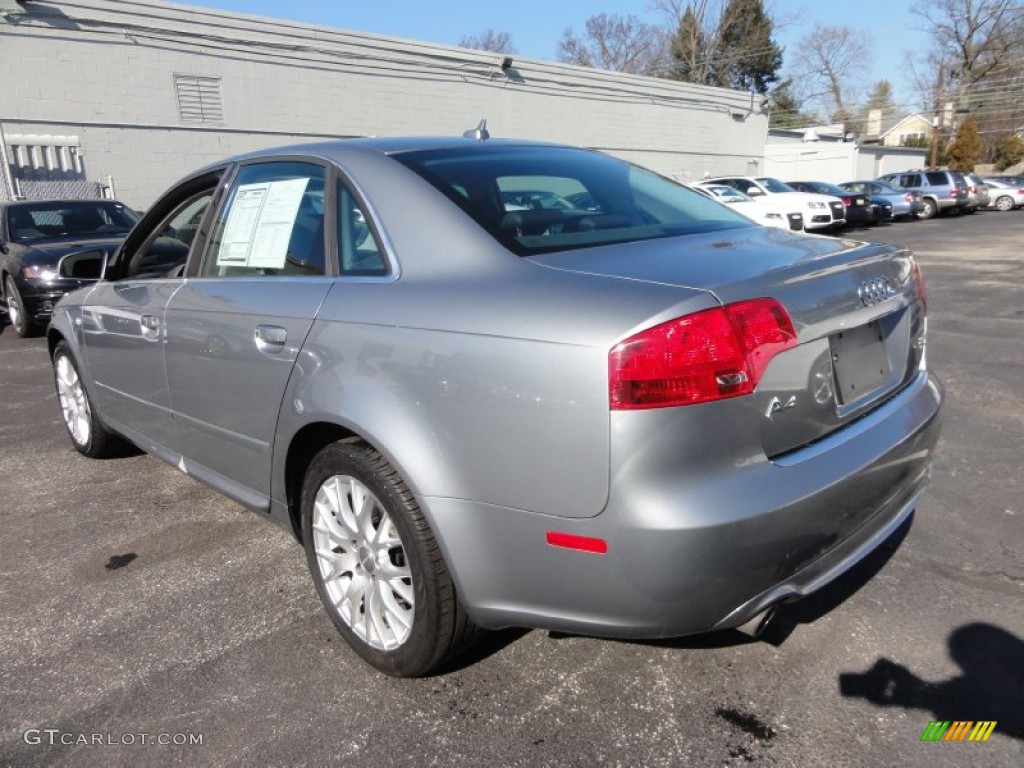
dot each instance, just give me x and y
(859, 361)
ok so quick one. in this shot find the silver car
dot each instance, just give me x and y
(642, 417)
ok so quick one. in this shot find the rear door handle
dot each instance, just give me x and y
(150, 326)
(270, 338)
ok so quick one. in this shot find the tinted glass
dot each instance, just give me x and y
(358, 247)
(774, 185)
(543, 199)
(76, 218)
(938, 178)
(165, 254)
(272, 223)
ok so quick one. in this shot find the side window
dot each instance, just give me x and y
(358, 248)
(165, 254)
(937, 179)
(271, 224)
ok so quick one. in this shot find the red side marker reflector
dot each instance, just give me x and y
(582, 543)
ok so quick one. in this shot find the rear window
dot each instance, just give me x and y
(546, 199)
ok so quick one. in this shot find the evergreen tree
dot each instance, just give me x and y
(965, 150)
(786, 110)
(1009, 152)
(689, 54)
(737, 51)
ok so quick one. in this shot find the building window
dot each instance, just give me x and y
(199, 99)
(912, 138)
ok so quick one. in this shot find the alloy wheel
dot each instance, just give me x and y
(74, 405)
(362, 562)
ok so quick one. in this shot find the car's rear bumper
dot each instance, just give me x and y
(706, 549)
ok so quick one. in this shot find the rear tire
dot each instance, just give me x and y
(84, 427)
(1004, 203)
(930, 209)
(376, 564)
(16, 313)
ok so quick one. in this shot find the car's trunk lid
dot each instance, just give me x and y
(855, 308)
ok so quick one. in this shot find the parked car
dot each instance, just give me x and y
(977, 192)
(646, 420)
(1004, 195)
(821, 212)
(41, 242)
(905, 203)
(858, 207)
(764, 210)
(942, 192)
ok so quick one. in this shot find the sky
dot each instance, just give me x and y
(537, 25)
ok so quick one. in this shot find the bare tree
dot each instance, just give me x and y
(978, 62)
(828, 63)
(618, 43)
(489, 40)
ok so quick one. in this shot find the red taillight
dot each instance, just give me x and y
(952, 192)
(847, 201)
(582, 543)
(705, 356)
(908, 198)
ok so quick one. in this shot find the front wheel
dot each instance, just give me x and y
(84, 427)
(16, 310)
(376, 564)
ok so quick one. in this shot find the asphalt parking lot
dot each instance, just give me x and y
(139, 603)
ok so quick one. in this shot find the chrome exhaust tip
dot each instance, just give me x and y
(755, 626)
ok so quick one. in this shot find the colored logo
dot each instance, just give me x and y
(958, 730)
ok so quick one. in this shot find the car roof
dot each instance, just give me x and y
(336, 150)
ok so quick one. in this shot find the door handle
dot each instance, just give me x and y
(270, 338)
(150, 326)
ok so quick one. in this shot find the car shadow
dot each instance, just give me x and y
(990, 686)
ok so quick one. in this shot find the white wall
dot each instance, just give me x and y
(104, 71)
(836, 162)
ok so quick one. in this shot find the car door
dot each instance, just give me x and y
(123, 318)
(234, 329)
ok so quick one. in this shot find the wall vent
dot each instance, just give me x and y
(199, 99)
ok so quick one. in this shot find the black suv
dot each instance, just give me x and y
(941, 191)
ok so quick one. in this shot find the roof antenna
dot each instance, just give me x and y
(479, 133)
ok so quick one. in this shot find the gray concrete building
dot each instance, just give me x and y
(132, 94)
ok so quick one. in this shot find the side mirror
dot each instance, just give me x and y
(84, 265)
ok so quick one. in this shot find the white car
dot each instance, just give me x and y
(819, 211)
(1004, 195)
(768, 211)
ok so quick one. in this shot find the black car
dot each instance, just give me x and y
(859, 209)
(51, 247)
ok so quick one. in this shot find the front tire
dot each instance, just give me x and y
(16, 310)
(84, 427)
(376, 564)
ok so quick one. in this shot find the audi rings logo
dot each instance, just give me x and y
(874, 291)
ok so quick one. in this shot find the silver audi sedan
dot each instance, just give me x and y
(636, 414)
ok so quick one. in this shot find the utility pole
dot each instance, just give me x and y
(937, 105)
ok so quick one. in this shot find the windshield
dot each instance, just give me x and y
(545, 199)
(728, 194)
(774, 185)
(46, 220)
